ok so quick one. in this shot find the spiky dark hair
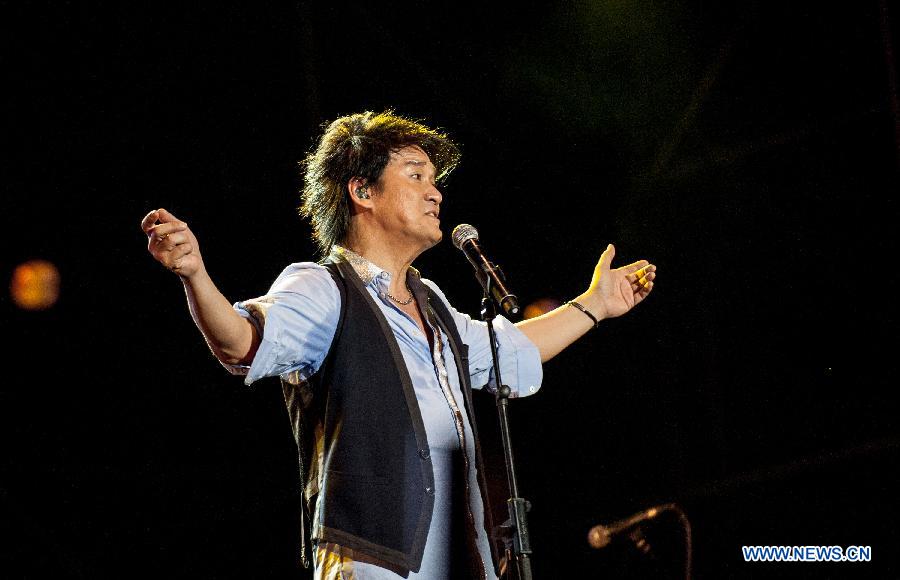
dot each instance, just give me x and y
(360, 146)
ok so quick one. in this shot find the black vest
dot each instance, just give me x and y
(377, 495)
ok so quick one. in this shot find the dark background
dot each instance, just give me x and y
(748, 149)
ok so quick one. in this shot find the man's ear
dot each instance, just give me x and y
(358, 188)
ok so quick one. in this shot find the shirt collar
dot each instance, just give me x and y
(366, 270)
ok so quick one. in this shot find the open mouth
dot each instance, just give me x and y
(433, 214)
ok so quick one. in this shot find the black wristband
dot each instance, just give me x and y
(585, 310)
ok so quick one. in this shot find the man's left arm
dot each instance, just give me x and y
(612, 292)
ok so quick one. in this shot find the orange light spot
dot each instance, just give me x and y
(540, 306)
(35, 285)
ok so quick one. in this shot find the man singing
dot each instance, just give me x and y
(376, 366)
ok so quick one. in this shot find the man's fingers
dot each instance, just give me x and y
(149, 220)
(644, 282)
(607, 256)
(634, 267)
(168, 241)
(176, 257)
(163, 231)
(165, 216)
(168, 223)
(641, 272)
(180, 251)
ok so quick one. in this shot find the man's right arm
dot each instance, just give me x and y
(232, 338)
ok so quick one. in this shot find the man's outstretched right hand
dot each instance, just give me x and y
(172, 243)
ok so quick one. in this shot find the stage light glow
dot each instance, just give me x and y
(540, 306)
(35, 285)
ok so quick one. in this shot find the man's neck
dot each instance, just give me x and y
(392, 258)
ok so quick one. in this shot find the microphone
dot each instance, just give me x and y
(600, 536)
(465, 237)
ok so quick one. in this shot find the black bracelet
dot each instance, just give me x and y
(585, 310)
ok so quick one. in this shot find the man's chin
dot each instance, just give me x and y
(432, 239)
(436, 236)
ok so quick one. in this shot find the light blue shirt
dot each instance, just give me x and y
(297, 320)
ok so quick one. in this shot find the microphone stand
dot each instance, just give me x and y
(517, 506)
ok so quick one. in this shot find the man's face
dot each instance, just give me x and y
(407, 202)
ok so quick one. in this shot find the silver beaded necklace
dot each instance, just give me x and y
(401, 302)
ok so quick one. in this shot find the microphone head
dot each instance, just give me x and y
(462, 233)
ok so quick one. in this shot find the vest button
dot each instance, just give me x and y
(424, 453)
(429, 491)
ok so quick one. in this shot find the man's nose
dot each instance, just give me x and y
(435, 195)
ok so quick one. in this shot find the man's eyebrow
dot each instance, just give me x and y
(420, 163)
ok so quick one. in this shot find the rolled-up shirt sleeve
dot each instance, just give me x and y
(296, 321)
(520, 359)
